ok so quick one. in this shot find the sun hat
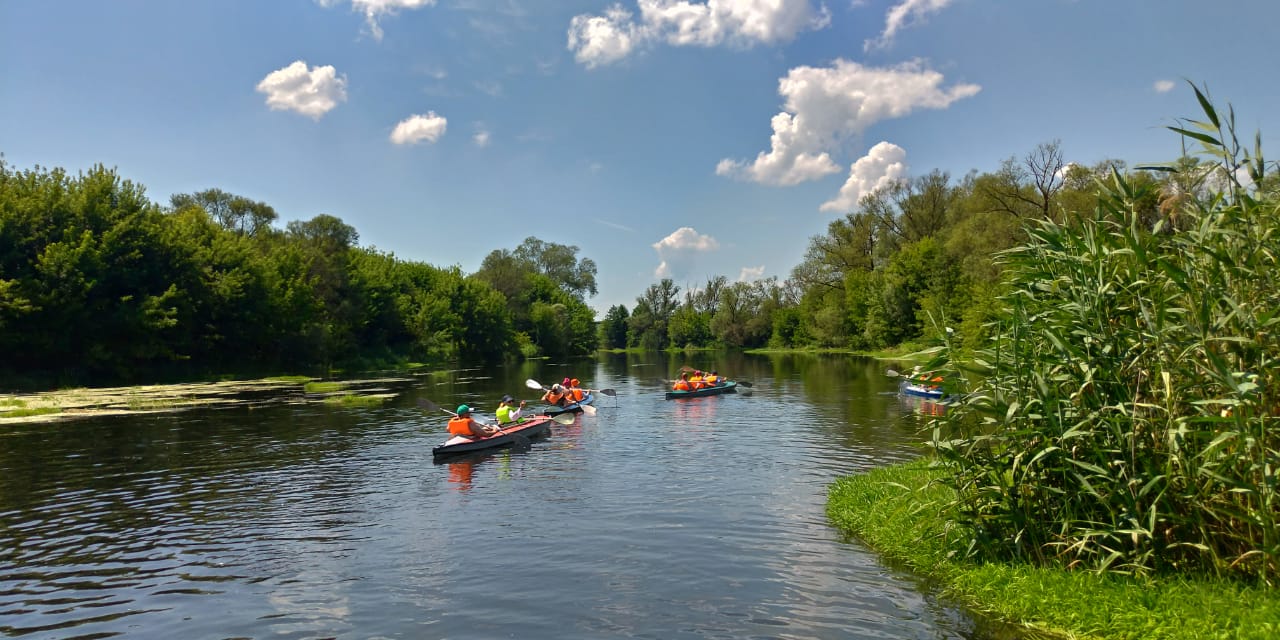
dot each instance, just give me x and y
(574, 382)
(462, 408)
(564, 382)
(507, 399)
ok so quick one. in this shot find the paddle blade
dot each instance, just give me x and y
(893, 374)
(588, 409)
(565, 419)
(609, 392)
(431, 406)
(745, 383)
(534, 384)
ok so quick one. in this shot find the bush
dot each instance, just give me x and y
(1127, 419)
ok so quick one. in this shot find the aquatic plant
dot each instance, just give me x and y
(1127, 416)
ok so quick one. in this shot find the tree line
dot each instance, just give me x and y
(913, 257)
(98, 283)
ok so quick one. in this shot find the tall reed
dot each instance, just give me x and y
(1127, 416)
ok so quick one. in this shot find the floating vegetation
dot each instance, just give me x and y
(323, 387)
(353, 400)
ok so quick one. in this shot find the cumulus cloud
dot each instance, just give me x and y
(884, 165)
(311, 92)
(1163, 86)
(417, 128)
(481, 136)
(751, 273)
(901, 16)
(375, 9)
(603, 39)
(679, 251)
(825, 106)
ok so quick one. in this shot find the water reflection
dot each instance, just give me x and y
(654, 518)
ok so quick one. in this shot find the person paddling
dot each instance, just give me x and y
(508, 411)
(555, 395)
(464, 425)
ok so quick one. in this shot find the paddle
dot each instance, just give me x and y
(431, 406)
(534, 384)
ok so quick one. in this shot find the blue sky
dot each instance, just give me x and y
(679, 138)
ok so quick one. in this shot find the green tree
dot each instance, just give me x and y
(234, 213)
(613, 329)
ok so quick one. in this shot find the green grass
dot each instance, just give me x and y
(24, 413)
(323, 387)
(898, 512)
(13, 402)
(352, 400)
(297, 379)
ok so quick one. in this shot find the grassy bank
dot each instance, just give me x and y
(897, 512)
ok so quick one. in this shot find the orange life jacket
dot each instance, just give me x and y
(461, 427)
(577, 394)
(681, 385)
(553, 398)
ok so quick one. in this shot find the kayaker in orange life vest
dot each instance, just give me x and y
(555, 395)
(683, 383)
(464, 425)
(576, 394)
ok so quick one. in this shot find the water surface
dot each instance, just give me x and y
(699, 518)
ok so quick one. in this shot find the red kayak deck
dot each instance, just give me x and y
(527, 428)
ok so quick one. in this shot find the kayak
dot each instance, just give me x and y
(570, 408)
(729, 386)
(919, 390)
(524, 429)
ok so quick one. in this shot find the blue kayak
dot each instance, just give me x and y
(570, 408)
(729, 386)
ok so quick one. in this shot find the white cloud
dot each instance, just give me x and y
(615, 225)
(751, 273)
(481, 137)
(311, 92)
(905, 14)
(1163, 86)
(598, 40)
(374, 9)
(825, 106)
(417, 128)
(679, 250)
(884, 164)
(601, 40)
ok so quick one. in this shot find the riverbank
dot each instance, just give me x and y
(895, 510)
(84, 402)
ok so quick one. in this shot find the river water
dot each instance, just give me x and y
(699, 518)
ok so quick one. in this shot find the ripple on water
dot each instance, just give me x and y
(652, 519)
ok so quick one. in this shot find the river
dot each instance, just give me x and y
(698, 518)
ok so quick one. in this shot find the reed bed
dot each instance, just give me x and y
(1126, 418)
